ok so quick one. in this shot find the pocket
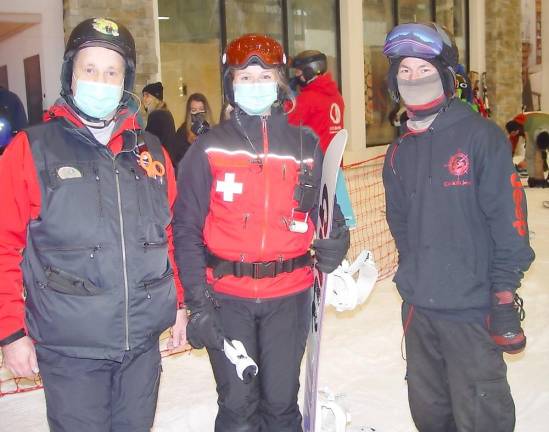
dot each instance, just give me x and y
(494, 406)
(154, 305)
(73, 206)
(65, 283)
(152, 285)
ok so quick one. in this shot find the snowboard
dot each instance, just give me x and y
(330, 169)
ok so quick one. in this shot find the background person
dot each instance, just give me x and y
(457, 212)
(12, 117)
(534, 128)
(242, 240)
(85, 232)
(159, 118)
(319, 104)
(198, 120)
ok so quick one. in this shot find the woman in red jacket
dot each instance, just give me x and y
(244, 223)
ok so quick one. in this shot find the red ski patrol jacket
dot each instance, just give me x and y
(320, 106)
(236, 196)
(22, 204)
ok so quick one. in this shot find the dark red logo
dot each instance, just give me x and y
(458, 165)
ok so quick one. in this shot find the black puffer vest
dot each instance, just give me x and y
(96, 267)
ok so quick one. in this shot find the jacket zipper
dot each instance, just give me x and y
(150, 245)
(124, 258)
(98, 183)
(267, 194)
(137, 191)
(72, 249)
(154, 283)
(123, 243)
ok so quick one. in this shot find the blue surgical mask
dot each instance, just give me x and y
(97, 100)
(256, 98)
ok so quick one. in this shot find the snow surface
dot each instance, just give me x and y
(361, 358)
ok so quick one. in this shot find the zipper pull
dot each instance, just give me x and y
(148, 292)
(94, 250)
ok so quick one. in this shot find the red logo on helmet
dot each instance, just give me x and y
(458, 165)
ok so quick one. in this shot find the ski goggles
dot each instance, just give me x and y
(240, 52)
(414, 40)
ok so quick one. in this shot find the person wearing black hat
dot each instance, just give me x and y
(457, 211)
(86, 234)
(159, 119)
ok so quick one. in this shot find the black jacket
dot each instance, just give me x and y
(95, 264)
(160, 123)
(457, 212)
(178, 145)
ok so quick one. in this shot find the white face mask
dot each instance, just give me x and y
(256, 98)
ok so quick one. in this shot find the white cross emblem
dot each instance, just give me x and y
(229, 187)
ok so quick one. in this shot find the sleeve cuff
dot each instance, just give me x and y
(13, 337)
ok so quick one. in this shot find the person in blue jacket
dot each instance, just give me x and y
(457, 211)
(12, 117)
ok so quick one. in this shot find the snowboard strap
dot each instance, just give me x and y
(256, 270)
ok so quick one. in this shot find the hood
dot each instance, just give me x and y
(124, 118)
(322, 84)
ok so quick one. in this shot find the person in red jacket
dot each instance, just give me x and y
(319, 104)
(87, 278)
(243, 225)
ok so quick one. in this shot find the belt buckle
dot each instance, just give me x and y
(263, 269)
(256, 270)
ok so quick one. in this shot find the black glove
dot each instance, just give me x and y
(505, 317)
(204, 327)
(330, 252)
(200, 127)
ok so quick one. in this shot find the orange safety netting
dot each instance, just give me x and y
(368, 198)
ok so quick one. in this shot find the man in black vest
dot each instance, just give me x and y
(86, 230)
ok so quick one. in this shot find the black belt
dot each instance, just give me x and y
(256, 270)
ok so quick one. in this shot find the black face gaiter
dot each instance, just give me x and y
(422, 97)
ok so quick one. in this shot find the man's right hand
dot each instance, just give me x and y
(20, 357)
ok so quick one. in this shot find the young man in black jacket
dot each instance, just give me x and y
(457, 211)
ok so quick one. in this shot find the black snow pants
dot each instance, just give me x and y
(457, 378)
(88, 395)
(274, 333)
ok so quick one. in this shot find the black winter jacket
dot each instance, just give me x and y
(457, 211)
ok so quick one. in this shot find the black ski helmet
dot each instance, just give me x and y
(251, 48)
(98, 32)
(429, 41)
(311, 63)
